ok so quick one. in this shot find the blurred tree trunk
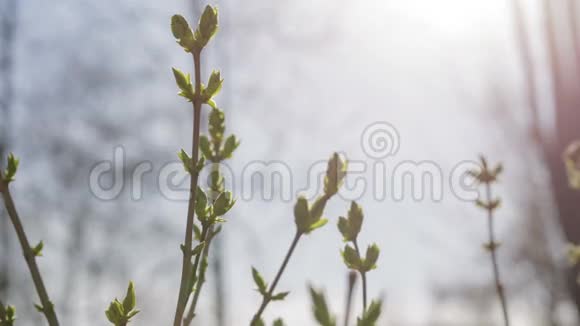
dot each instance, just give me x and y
(563, 73)
(566, 128)
(573, 13)
(545, 265)
(8, 25)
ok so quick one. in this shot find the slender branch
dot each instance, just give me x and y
(186, 270)
(495, 265)
(363, 276)
(201, 278)
(219, 281)
(205, 232)
(351, 282)
(29, 256)
(208, 237)
(268, 297)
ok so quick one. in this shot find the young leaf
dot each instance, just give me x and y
(302, 215)
(335, 174)
(230, 146)
(10, 314)
(223, 203)
(371, 258)
(197, 250)
(201, 208)
(200, 164)
(115, 312)
(186, 160)
(318, 208)
(320, 309)
(216, 181)
(217, 126)
(39, 308)
(183, 81)
(205, 148)
(371, 316)
(182, 32)
(119, 313)
(278, 322)
(208, 24)
(344, 228)
(37, 250)
(212, 104)
(317, 225)
(132, 313)
(130, 300)
(214, 85)
(280, 296)
(179, 27)
(197, 232)
(351, 258)
(184, 84)
(573, 254)
(257, 322)
(260, 283)
(11, 169)
(7, 315)
(355, 220)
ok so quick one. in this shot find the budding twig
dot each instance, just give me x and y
(267, 298)
(487, 176)
(348, 308)
(47, 306)
(186, 270)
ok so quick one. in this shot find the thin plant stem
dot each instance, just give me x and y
(29, 256)
(200, 281)
(186, 270)
(201, 278)
(495, 265)
(348, 308)
(363, 276)
(268, 297)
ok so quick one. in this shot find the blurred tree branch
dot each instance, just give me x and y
(566, 101)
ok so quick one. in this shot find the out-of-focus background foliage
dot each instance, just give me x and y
(303, 78)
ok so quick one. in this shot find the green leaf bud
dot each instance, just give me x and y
(201, 208)
(320, 309)
(280, 296)
(214, 85)
(183, 33)
(260, 283)
(371, 315)
(208, 24)
(130, 300)
(371, 257)
(223, 203)
(37, 250)
(206, 148)
(302, 215)
(11, 169)
(230, 146)
(186, 160)
(335, 174)
(351, 258)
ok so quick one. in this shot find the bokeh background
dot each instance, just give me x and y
(303, 78)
